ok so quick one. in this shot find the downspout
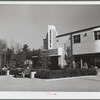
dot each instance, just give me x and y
(71, 45)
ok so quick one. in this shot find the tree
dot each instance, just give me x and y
(19, 60)
(12, 45)
(18, 47)
(43, 60)
(35, 52)
(25, 48)
(22, 56)
(69, 57)
(9, 54)
(3, 46)
(27, 52)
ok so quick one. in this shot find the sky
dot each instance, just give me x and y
(28, 24)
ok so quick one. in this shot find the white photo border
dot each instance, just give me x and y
(49, 95)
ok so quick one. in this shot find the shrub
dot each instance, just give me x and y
(49, 74)
(42, 74)
(33, 70)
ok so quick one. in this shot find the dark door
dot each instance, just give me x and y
(54, 63)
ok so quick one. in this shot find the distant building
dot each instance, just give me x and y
(85, 46)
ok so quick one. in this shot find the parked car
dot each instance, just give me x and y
(19, 72)
(3, 71)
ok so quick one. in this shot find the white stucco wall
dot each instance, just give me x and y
(87, 45)
(63, 42)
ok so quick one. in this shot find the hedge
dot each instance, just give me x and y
(49, 74)
(33, 70)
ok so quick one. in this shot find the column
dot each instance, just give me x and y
(81, 63)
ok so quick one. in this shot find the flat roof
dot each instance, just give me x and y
(74, 32)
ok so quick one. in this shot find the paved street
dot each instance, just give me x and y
(76, 84)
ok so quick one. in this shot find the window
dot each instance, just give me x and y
(76, 39)
(50, 41)
(50, 31)
(50, 35)
(97, 35)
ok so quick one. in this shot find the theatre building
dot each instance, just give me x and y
(84, 44)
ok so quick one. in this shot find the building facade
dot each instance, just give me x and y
(84, 44)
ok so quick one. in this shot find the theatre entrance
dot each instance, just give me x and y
(88, 60)
(54, 62)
